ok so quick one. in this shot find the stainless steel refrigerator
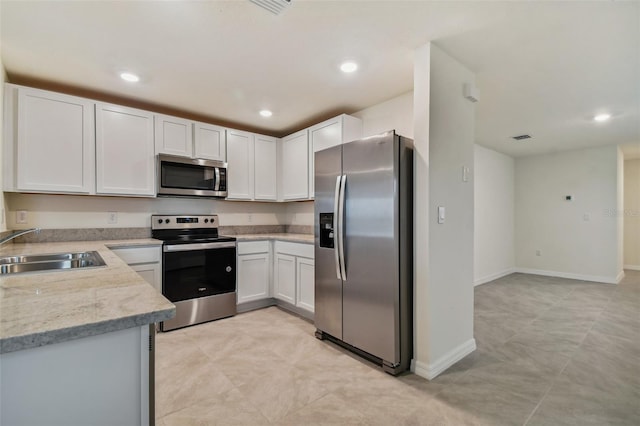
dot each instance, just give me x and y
(364, 248)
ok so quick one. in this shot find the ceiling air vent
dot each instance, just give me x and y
(273, 6)
(521, 137)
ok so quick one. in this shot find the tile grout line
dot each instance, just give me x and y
(573, 353)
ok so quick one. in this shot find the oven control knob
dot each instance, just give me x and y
(166, 221)
(159, 220)
(206, 221)
(228, 269)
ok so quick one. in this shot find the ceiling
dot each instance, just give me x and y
(543, 68)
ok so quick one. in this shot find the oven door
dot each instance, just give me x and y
(191, 271)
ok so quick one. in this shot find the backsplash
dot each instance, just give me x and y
(101, 234)
(84, 234)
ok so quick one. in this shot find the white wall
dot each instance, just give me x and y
(396, 113)
(494, 229)
(444, 282)
(575, 239)
(68, 211)
(631, 213)
(299, 213)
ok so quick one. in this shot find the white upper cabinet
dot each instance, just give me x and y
(266, 166)
(173, 136)
(50, 142)
(125, 159)
(240, 165)
(335, 131)
(209, 142)
(295, 166)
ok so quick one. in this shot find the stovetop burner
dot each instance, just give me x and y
(186, 229)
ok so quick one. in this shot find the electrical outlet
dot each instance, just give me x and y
(538, 253)
(250, 218)
(21, 216)
(112, 218)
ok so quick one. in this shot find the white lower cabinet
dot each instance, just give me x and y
(145, 260)
(100, 380)
(305, 283)
(291, 272)
(294, 274)
(284, 280)
(254, 271)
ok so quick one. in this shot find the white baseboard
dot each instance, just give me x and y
(431, 370)
(495, 276)
(632, 267)
(620, 277)
(594, 278)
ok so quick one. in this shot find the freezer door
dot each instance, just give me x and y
(371, 289)
(328, 285)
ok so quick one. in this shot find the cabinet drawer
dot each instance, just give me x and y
(136, 255)
(251, 247)
(295, 249)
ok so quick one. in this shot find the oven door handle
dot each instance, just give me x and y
(197, 246)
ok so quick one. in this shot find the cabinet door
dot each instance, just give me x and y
(305, 283)
(239, 165)
(253, 277)
(266, 150)
(326, 134)
(151, 273)
(284, 284)
(209, 142)
(335, 131)
(173, 136)
(295, 166)
(55, 143)
(125, 161)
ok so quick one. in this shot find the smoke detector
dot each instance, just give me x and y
(273, 6)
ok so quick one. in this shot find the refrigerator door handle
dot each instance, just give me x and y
(343, 186)
(336, 227)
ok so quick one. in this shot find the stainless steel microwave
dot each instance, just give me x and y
(191, 177)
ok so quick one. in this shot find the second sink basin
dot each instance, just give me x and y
(49, 262)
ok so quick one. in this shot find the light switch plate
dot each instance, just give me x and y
(441, 213)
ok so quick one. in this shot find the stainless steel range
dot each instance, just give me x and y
(198, 268)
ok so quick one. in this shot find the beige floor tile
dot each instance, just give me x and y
(230, 408)
(330, 410)
(187, 380)
(551, 351)
(282, 391)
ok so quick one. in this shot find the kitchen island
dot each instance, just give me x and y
(76, 346)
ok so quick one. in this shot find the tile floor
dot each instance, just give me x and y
(550, 352)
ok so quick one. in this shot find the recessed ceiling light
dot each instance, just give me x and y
(602, 117)
(266, 113)
(131, 78)
(349, 66)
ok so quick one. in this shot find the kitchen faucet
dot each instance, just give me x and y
(17, 234)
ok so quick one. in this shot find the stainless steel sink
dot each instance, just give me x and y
(49, 262)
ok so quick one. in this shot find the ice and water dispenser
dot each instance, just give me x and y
(326, 230)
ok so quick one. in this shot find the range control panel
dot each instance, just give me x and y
(183, 221)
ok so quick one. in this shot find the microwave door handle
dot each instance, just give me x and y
(216, 185)
(336, 227)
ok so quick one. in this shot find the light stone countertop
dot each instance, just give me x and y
(295, 238)
(43, 308)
